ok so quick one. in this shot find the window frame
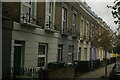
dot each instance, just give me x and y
(82, 26)
(42, 55)
(74, 21)
(64, 18)
(80, 49)
(49, 15)
(32, 13)
(87, 29)
(85, 52)
(71, 54)
(65, 8)
(60, 55)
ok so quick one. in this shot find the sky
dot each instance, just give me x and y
(100, 8)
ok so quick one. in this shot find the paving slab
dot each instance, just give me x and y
(97, 73)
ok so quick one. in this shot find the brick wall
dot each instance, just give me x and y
(11, 10)
(41, 13)
(67, 72)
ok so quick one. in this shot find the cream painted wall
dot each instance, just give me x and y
(84, 45)
(32, 36)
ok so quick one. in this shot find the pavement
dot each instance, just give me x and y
(97, 73)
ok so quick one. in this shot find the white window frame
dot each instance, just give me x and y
(64, 18)
(50, 17)
(44, 55)
(87, 28)
(74, 23)
(82, 26)
(71, 54)
(32, 6)
(91, 30)
(64, 7)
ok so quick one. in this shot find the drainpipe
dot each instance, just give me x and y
(0, 40)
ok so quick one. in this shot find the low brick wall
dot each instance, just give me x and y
(67, 72)
(82, 66)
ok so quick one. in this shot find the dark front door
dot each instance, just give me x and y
(17, 59)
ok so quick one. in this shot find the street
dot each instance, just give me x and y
(96, 74)
(55, 39)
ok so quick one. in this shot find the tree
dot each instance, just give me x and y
(117, 46)
(116, 11)
(116, 14)
(117, 49)
(102, 38)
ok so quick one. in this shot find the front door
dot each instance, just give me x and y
(17, 59)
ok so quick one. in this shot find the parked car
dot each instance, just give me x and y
(115, 73)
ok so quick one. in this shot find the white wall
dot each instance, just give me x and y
(84, 45)
(32, 37)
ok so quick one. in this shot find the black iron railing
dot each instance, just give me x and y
(28, 18)
(75, 34)
(64, 31)
(50, 25)
(29, 73)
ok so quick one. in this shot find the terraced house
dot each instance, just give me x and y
(34, 38)
(41, 32)
(44, 32)
(69, 27)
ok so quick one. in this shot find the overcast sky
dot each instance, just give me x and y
(100, 8)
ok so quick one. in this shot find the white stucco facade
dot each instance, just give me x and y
(84, 53)
(32, 37)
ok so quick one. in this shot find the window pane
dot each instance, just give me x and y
(79, 53)
(50, 21)
(81, 27)
(64, 18)
(41, 55)
(62, 13)
(60, 52)
(74, 22)
(64, 24)
(26, 9)
(74, 18)
(85, 52)
(41, 50)
(65, 14)
(71, 48)
(50, 12)
(50, 7)
(41, 61)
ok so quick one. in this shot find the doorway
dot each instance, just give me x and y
(18, 56)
